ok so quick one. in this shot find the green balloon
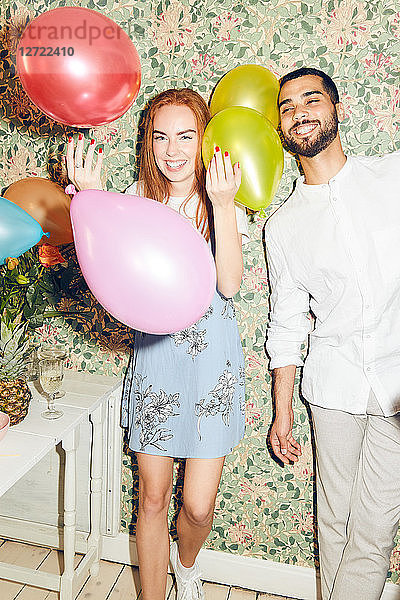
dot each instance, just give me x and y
(251, 86)
(252, 141)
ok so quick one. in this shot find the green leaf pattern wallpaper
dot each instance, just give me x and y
(263, 511)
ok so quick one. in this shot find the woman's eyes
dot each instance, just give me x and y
(163, 138)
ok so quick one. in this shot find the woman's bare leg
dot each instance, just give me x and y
(152, 538)
(202, 477)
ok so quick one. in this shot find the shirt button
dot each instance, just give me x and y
(367, 306)
(368, 336)
(368, 368)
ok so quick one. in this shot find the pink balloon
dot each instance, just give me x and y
(143, 261)
(78, 66)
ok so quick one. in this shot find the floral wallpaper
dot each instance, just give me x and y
(263, 510)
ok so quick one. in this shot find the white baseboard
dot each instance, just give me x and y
(121, 548)
(243, 571)
(260, 575)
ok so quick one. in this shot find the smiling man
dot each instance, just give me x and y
(333, 249)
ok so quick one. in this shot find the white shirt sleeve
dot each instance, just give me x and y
(242, 222)
(288, 324)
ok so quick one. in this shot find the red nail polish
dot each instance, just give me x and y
(100, 150)
(216, 148)
(69, 140)
(226, 153)
(239, 165)
(80, 136)
(91, 142)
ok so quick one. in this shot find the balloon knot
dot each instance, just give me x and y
(71, 189)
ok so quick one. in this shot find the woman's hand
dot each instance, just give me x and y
(222, 180)
(222, 184)
(80, 172)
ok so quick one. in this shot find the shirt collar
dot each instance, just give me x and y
(316, 190)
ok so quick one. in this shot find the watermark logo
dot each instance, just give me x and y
(69, 33)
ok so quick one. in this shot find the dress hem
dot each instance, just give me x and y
(187, 456)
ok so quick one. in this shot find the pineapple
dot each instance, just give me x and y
(15, 394)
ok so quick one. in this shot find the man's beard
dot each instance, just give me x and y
(311, 148)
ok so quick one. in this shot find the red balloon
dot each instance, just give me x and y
(78, 66)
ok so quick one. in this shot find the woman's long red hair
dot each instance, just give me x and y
(155, 184)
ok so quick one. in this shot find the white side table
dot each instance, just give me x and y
(23, 447)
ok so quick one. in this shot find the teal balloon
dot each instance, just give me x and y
(18, 230)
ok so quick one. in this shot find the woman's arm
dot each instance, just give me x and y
(80, 172)
(222, 184)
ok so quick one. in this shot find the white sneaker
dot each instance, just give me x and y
(190, 587)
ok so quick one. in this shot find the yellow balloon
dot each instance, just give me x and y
(251, 86)
(250, 139)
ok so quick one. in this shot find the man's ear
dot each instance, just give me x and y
(340, 111)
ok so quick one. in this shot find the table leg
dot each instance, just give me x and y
(69, 444)
(96, 485)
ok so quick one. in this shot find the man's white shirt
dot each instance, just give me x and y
(335, 249)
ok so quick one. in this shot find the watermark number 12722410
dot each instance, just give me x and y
(46, 51)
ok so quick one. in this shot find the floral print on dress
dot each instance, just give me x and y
(193, 336)
(150, 415)
(221, 399)
(228, 310)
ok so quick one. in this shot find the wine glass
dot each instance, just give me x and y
(51, 372)
(57, 351)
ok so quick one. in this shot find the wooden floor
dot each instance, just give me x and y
(115, 581)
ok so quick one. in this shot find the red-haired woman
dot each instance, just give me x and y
(183, 393)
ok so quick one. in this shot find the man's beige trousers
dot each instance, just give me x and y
(358, 499)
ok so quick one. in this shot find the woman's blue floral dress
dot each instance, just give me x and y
(183, 394)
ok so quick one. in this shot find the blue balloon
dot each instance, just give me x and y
(18, 230)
